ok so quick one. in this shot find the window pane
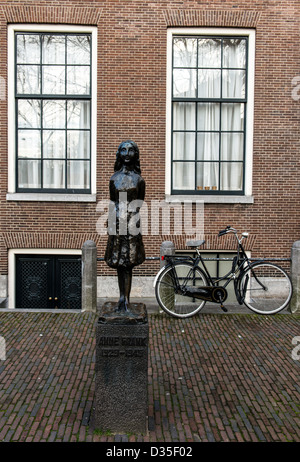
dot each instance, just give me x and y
(209, 53)
(28, 79)
(78, 80)
(54, 114)
(184, 116)
(78, 115)
(209, 83)
(52, 130)
(208, 117)
(234, 53)
(232, 146)
(207, 176)
(231, 176)
(183, 146)
(28, 49)
(233, 84)
(78, 144)
(184, 83)
(54, 174)
(78, 174)
(78, 49)
(54, 143)
(208, 146)
(29, 173)
(184, 175)
(185, 52)
(53, 49)
(29, 143)
(207, 77)
(232, 116)
(53, 80)
(29, 113)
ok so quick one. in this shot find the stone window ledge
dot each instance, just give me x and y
(41, 197)
(210, 199)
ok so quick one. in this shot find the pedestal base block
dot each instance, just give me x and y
(122, 369)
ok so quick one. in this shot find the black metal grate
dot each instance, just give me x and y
(48, 282)
(70, 281)
(32, 281)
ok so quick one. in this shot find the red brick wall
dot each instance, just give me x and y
(132, 104)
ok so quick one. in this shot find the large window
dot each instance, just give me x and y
(53, 112)
(208, 114)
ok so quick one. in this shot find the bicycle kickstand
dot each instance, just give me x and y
(223, 308)
(221, 303)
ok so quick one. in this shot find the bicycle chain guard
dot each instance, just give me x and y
(215, 294)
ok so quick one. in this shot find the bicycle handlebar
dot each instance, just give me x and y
(228, 229)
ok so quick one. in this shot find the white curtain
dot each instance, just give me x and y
(53, 135)
(219, 130)
(29, 173)
(233, 86)
(208, 146)
(54, 174)
(183, 146)
(78, 141)
(54, 145)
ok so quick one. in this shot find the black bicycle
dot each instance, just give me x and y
(182, 287)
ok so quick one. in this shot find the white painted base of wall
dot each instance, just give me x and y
(3, 286)
(107, 286)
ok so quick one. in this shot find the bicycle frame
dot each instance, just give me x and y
(240, 263)
(189, 276)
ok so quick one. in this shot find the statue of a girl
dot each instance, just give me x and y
(125, 247)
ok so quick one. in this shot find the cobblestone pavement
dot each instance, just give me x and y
(215, 377)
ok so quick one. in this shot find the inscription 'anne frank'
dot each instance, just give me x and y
(123, 341)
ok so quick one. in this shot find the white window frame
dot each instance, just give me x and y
(12, 253)
(11, 191)
(247, 197)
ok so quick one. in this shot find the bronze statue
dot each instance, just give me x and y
(125, 247)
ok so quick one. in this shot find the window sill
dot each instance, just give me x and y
(41, 197)
(210, 199)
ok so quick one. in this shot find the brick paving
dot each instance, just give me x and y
(212, 378)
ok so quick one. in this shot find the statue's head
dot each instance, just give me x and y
(129, 144)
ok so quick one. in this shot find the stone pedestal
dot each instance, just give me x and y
(89, 277)
(166, 248)
(122, 369)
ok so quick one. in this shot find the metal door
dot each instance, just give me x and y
(68, 282)
(48, 281)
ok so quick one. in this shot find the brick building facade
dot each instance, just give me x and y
(207, 89)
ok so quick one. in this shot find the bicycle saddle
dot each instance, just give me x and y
(194, 243)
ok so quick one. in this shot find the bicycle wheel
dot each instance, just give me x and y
(175, 304)
(266, 288)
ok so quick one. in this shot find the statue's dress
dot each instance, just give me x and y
(125, 250)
